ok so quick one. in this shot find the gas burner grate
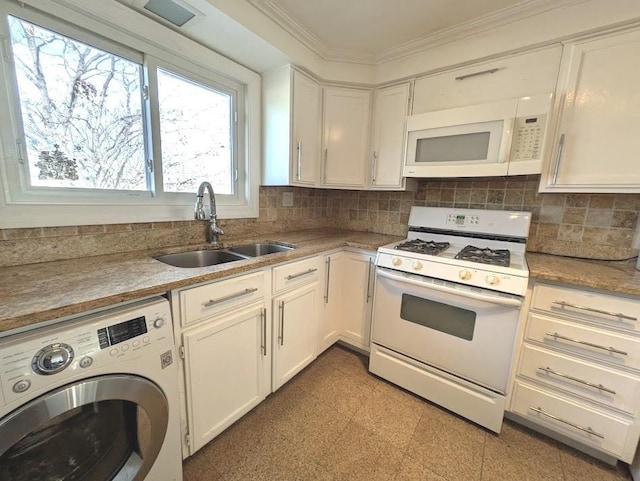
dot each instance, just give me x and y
(494, 257)
(423, 247)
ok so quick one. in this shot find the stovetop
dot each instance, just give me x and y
(479, 248)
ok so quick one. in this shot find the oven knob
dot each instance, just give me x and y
(464, 275)
(396, 261)
(493, 280)
(417, 265)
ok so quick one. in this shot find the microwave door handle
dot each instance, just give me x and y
(451, 290)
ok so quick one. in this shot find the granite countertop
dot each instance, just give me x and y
(619, 277)
(35, 293)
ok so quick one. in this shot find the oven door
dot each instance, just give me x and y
(466, 331)
(104, 428)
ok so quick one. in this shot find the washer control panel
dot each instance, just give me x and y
(36, 359)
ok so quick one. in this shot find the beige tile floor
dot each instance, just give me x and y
(335, 421)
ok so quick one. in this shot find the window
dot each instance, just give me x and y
(81, 111)
(91, 124)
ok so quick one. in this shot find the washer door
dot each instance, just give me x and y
(104, 428)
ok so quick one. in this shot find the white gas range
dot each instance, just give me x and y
(447, 305)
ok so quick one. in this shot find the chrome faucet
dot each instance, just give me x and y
(214, 232)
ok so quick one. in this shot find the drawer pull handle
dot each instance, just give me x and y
(300, 274)
(600, 387)
(555, 335)
(556, 418)
(598, 311)
(213, 302)
(475, 74)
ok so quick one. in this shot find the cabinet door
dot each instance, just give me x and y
(306, 130)
(331, 314)
(390, 107)
(227, 371)
(527, 74)
(357, 292)
(295, 331)
(597, 141)
(345, 137)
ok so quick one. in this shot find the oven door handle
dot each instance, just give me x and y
(503, 301)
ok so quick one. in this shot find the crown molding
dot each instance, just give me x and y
(310, 40)
(521, 10)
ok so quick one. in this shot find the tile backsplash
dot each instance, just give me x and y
(598, 226)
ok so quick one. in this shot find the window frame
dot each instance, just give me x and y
(21, 206)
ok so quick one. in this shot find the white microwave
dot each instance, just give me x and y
(499, 138)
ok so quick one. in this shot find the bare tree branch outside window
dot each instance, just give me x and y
(81, 107)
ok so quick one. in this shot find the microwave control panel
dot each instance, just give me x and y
(528, 136)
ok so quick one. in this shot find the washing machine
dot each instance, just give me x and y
(93, 398)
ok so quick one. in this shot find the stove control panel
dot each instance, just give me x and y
(461, 220)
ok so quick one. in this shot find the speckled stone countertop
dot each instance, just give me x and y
(618, 277)
(34, 293)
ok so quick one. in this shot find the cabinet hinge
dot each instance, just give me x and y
(181, 352)
(187, 439)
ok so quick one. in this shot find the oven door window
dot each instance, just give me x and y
(91, 430)
(451, 320)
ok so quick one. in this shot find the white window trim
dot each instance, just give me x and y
(115, 21)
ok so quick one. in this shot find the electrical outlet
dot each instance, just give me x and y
(287, 199)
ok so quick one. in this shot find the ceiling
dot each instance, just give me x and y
(366, 32)
(370, 31)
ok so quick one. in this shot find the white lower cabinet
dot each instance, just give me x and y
(227, 371)
(348, 298)
(578, 373)
(294, 332)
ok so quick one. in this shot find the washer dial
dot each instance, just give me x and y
(52, 359)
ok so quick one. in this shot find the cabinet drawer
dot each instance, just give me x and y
(609, 433)
(613, 311)
(598, 344)
(295, 274)
(597, 383)
(212, 299)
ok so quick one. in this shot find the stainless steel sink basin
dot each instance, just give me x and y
(200, 258)
(259, 249)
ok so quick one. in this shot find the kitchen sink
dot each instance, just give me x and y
(202, 258)
(259, 249)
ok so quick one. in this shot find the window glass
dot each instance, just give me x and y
(81, 111)
(196, 135)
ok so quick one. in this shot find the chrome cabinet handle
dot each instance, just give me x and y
(299, 159)
(324, 170)
(568, 423)
(599, 387)
(555, 335)
(326, 288)
(475, 74)
(369, 281)
(300, 274)
(213, 302)
(374, 166)
(281, 336)
(598, 311)
(263, 318)
(556, 167)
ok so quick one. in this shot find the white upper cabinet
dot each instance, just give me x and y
(291, 140)
(389, 120)
(522, 75)
(345, 140)
(596, 141)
